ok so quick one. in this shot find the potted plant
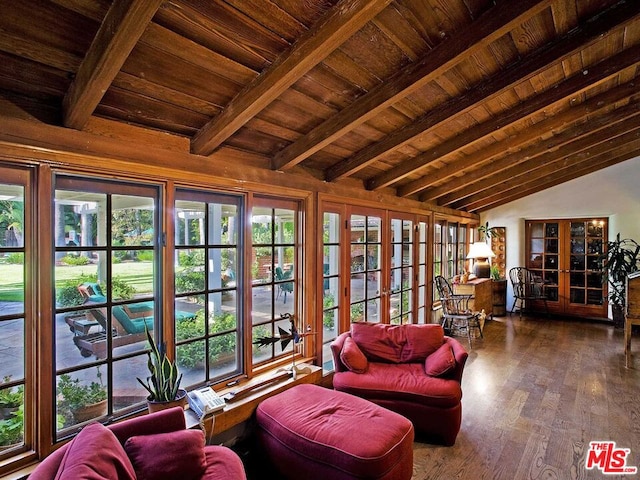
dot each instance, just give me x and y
(10, 399)
(80, 402)
(486, 232)
(12, 429)
(621, 258)
(163, 383)
(495, 273)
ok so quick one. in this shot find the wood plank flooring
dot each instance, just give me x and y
(536, 391)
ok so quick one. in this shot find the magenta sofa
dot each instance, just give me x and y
(414, 370)
(151, 446)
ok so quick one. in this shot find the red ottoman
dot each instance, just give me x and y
(312, 432)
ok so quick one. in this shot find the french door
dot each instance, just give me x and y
(564, 255)
(374, 269)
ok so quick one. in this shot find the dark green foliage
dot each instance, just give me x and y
(621, 258)
(192, 354)
(74, 260)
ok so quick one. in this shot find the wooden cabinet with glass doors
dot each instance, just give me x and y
(563, 254)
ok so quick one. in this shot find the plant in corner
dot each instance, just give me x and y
(495, 273)
(163, 383)
(621, 258)
(77, 402)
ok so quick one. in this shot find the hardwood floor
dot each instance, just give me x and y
(536, 391)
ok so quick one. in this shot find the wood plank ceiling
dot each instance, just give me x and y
(467, 104)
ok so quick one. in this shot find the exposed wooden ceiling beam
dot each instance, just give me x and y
(613, 157)
(561, 49)
(340, 23)
(511, 143)
(123, 25)
(465, 185)
(488, 27)
(531, 169)
(595, 75)
(590, 145)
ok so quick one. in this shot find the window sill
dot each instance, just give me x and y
(241, 410)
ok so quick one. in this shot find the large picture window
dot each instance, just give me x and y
(106, 272)
(208, 272)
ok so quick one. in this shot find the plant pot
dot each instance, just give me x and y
(7, 412)
(180, 401)
(91, 411)
(617, 312)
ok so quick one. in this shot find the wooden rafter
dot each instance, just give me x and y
(488, 27)
(123, 25)
(341, 22)
(621, 154)
(511, 143)
(465, 185)
(566, 157)
(561, 49)
(607, 159)
(573, 85)
(589, 145)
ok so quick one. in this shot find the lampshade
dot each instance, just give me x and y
(480, 251)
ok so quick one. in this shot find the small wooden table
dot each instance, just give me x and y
(629, 321)
(481, 289)
(83, 326)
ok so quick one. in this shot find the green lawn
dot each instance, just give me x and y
(137, 274)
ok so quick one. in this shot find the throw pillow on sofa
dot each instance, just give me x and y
(168, 456)
(352, 357)
(95, 454)
(440, 362)
(397, 343)
(421, 341)
(379, 342)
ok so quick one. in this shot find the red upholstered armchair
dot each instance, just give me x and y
(142, 447)
(413, 370)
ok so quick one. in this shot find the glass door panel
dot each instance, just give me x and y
(586, 240)
(543, 255)
(564, 254)
(365, 249)
(331, 228)
(401, 274)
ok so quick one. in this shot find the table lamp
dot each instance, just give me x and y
(480, 252)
